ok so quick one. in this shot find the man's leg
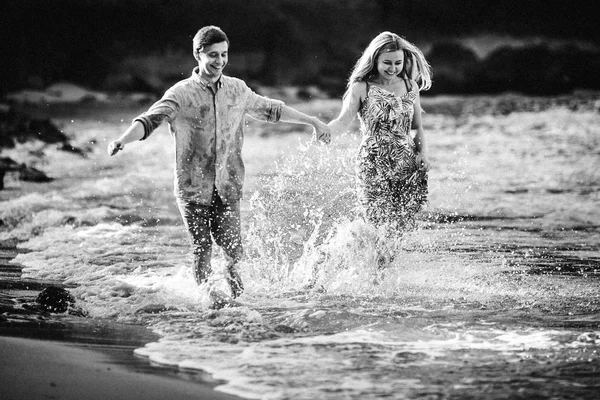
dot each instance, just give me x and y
(226, 229)
(196, 218)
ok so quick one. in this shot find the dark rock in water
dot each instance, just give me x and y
(31, 174)
(285, 329)
(26, 173)
(17, 127)
(68, 147)
(7, 164)
(55, 299)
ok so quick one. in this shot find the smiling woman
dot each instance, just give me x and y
(389, 66)
(392, 165)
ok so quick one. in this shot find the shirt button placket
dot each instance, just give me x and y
(217, 131)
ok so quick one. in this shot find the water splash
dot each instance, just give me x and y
(454, 313)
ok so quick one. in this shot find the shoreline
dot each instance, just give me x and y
(46, 355)
(35, 369)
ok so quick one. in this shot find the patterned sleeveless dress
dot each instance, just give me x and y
(391, 187)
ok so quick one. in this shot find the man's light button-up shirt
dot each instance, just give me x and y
(208, 128)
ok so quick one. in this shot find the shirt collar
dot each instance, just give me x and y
(203, 82)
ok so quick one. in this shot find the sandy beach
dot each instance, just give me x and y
(45, 369)
(44, 355)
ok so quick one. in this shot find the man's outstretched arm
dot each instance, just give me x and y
(133, 133)
(321, 130)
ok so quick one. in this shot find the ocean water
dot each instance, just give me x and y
(496, 294)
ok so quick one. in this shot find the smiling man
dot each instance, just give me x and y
(205, 113)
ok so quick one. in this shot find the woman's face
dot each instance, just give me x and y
(389, 64)
(212, 59)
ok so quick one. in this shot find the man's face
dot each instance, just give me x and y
(212, 59)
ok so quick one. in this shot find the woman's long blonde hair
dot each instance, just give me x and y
(415, 65)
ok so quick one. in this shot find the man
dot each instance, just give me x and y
(206, 114)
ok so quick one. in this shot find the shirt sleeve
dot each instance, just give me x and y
(165, 109)
(263, 108)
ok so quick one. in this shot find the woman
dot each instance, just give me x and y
(392, 166)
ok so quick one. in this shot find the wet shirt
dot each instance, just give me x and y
(208, 128)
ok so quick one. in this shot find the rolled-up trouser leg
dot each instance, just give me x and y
(196, 218)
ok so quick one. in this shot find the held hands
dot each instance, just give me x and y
(321, 132)
(115, 146)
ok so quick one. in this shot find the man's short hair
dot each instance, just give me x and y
(209, 35)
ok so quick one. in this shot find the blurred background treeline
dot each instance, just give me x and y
(474, 46)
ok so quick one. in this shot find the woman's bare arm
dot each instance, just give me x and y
(350, 107)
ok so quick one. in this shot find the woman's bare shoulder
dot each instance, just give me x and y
(359, 89)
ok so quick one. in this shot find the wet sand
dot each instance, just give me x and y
(44, 355)
(37, 369)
